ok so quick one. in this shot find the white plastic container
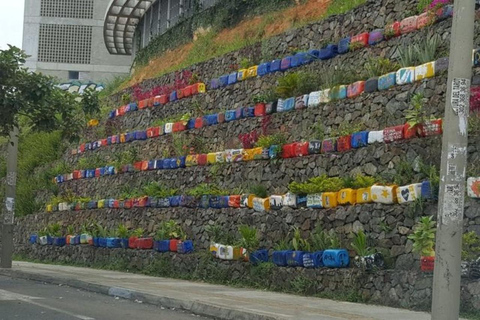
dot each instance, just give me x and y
(375, 136)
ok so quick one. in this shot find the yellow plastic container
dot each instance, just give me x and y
(101, 204)
(252, 72)
(261, 205)
(424, 71)
(123, 138)
(191, 160)
(384, 194)
(330, 199)
(249, 154)
(250, 200)
(242, 74)
(214, 249)
(202, 88)
(49, 208)
(364, 195)
(347, 196)
(211, 158)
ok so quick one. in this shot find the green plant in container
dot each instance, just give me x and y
(249, 238)
(319, 239)
(427, 51)
(138, 233)
(122, 231)
(259, 191)
(265, 141)
(215, 233)
(360, 244)
(423, 237)
(298, 243)
(70, 230)
(376, 67)
(470, 246)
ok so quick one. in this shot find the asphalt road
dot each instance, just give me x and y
(30, 300)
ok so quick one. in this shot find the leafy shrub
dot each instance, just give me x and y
(317, 185)
(259, 191)
(470, 246)
(360, 245)
(249, 238)
(423, 237)
(376, 67)
(207, 189)
(265, 141)
(155, 189)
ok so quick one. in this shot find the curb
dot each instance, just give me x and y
(199, 308)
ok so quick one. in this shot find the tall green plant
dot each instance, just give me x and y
(427, 50)
(423, 237)
(360, 244)
(249, 238)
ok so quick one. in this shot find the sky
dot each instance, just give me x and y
(11, 23)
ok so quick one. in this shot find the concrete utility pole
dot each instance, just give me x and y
(446, 279)
(9, 209)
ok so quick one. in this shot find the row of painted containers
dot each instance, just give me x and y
(290, 150)
(386, 194)
(345, 45)
(314, 99)
(332, 258)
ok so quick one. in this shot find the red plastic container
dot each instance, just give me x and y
(301, 149)
(409, 131)
(427, 264)
(142, 202)
(187, 91)
(431, 128)
(202, 159)
(260, 110)
(199, 123)
(355, 89)
(138, 165)
(392, 134)
(128, 203)
(195, 88)
(393, 30)
(425, 19)
(153, 132)
(116, 204)
(104, 142)
(163, 99)
(122, 110)
(132, 242)
(144, 243)
(360, 40)
(77, 175)
(344, 143)
(180, 94)
(97, 172)
(174, 245)
(82, 147)
(179, 126)
(234, 201)
(150, 102)
(288, 150)
(143, 104)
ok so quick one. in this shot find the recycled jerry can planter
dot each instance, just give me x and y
(200, 123)
(329, 145)
(218, 202)
(286, 63)
(363, 195)
(188, 91)
(232, 78)
(355, 89)
(163, 203)
(85, 238)
(313, 260)
(288, 150)
(174, 201)
(427, 264)
(301, 201)
(294, 258)
(263, 69)
(444, 12)
(301, 102)
(33, 239)
(314, 99)
(276, 202)
(211, 119)
(173, 96)
(248, 112)
(179, 126)
(230, 115)
(393, 30)
(241, 74)
(211, 158)
(329, 52)
(338, 92)
(325, 96)
(330, 200)
(280, 257)
(168, 128)
(408, 24)
(371, 85)
(314, 146)
(260, 110)
(191, 160)
(258, 257)
(314, 201)
(441, 65)
(161, 246)
(59, 241)
(234, 201)
(301, 149)
(252, 72)
(387, 81)
(223, 80)
(344, 45)
(376, 36)
(220, 157)
(274, 152)
(144, 243)
(409, 193)
(426, 189)
(101, 204)
(336, 258)
(185, 247)
(140, 135)
(202, 159)
(234, 155)
(290, 200)
(261, 205)
(43, 241)
(359, 139)
(251, 154)
(375, 136)
(473, 187)
(405, 75)
(113, 243)
(174, 245)
(347, 196)
(298, 59)
(431, 128)
(425, 19)
(426, 70)
(410, 131)
(132, 242)
(392, 134)
(344, 143)
(384, 194)
(359, 41)
(275, 65)
(288, 105)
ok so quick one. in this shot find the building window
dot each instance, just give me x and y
(73, 75)
(77, 9)
(60, 43)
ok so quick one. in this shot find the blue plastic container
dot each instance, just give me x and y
(223, 80)
(298, 60)
(140, 135)
(113, 243)
(59, 241)
(387, 81)
(181, 161)
(280, 257)
(263, 69)
(110, 170)
(344, 45)
(204, 202)
(88, 146)
(275, 65)
(211, 119)
(33, 239)
(301, 201)
(76, 240)
(151, 165)
(95, 145)
(274, 151)
(329, 52)
(166, 164)
(185, 246)
(111, 115)
(313, 260)
(102, 171)
(163, 203)
(289, 104)
(173, 96)
(161, 246)
(314, 53)
(159, 164)
(188, 202)
(232, 78)
(336, 258)
(174, 201)
(130, 136)
(218, 202)
(238, 113)
(96, 242)
(191, 124)
(359, 139)
(89, 173)
(102, 242)
(338, 93)
(286, 63)
(133, 106)
(123, 243)
(259, 256)
(230, 115)
(109, 140)
(427, 190)
(294, 258)
(173, 163)
(214, 84)
(92, 205)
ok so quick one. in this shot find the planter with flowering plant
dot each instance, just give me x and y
(423, 239)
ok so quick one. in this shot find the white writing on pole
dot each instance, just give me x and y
(460, 96)
(11, 179)
(452, 204)
(8, 214)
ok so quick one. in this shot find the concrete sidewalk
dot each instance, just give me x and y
(216, 301)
